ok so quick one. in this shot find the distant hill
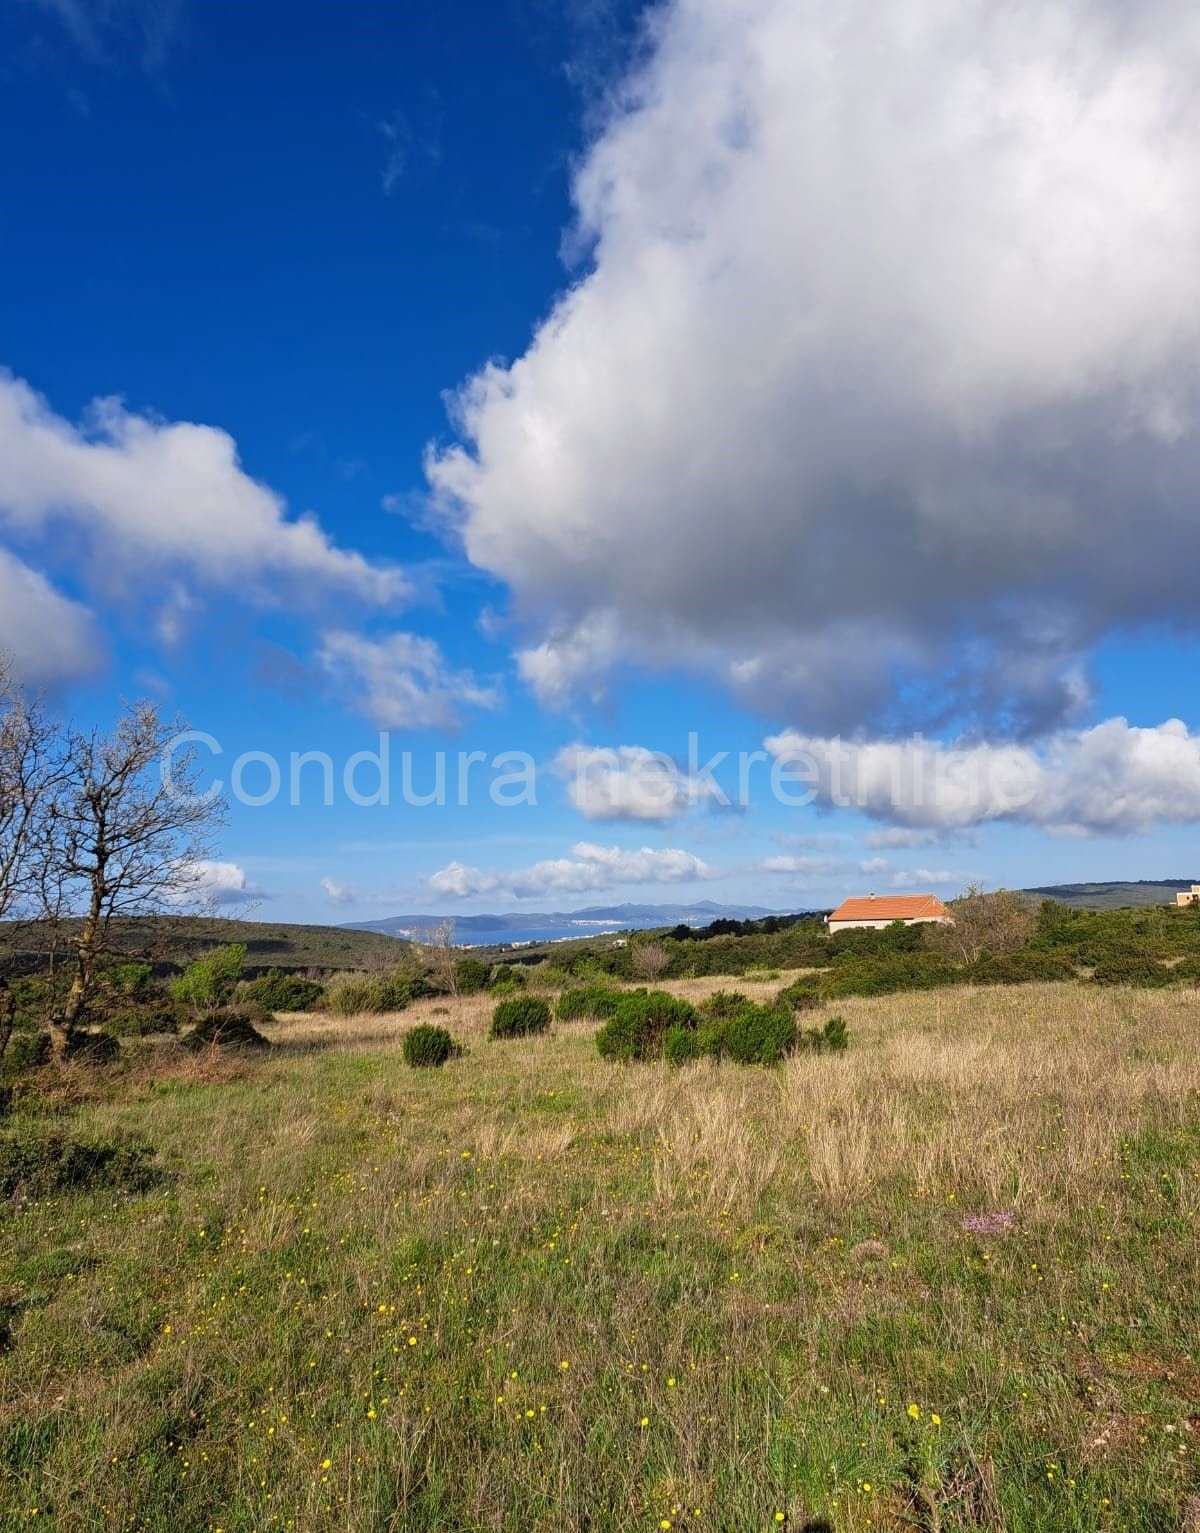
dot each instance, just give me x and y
(1147, 891)
(269, 945)
(499, 928)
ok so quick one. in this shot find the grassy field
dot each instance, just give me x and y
(950, 1279)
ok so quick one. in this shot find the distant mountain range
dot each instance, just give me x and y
(554, 925)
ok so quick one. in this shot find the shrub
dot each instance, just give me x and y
(226, 1029)
(520, 1016)
(28, 1049)
(427, 1046)
(725, 1003)
(832, 1037)
(471, 975)
(505, 978)
(134, 980)
(649, 960)
(836, 1036)
(803, 994)
(279, 991)
(756, 1035)
(681, 1045)
(142, 1021)
(638, 1025)
(1133, 970)
(350, 994)
(1019, 968)
(212, 979)
(36, 1165)
(888, 974)
(587, 1003)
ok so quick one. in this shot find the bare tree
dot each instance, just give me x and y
(649, 960)
(439, 953)
(996, 923)
(28, 772)
(127, 837)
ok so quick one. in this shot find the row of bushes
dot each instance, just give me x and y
(649, 1024)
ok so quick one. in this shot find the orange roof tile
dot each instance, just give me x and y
(889, 907)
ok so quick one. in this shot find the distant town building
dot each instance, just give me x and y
(882, 910)
(1189, 897)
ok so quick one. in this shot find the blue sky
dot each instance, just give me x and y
(558, 375)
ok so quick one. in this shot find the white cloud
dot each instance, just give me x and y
(1111, 779)
(339, 894)
(403, 681)
(215, 883)
(922, 878)
(896, 837)
(588, 868)
(805, 867)
(48, 637)
(884, 367)
(145, 493)
(626, 783)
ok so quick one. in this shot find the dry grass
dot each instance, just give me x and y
(767, 1268)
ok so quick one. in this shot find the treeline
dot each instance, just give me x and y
(997, 939)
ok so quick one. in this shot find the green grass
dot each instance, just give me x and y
(534, 1291)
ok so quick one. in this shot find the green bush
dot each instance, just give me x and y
(212, 979)
(28, 1049)
(803, 994)
(638, 1025)
(505, 978)
(161, 1015)
(833, 1037)
(350, 994)
(1133, 970)
(133, 980)
(38, 1165)
(725, 1003)
(1022, 968)
(427, 1046)
(226, 1029)
(835, 1034)
(520, 1016)
(888, 974)
(587, 1003)
(681, 1045)
(471, 975)
(279, 991)
(751, 1035)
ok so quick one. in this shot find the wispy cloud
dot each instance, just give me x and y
(403, 681)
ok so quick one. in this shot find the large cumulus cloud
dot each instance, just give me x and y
(881, 381)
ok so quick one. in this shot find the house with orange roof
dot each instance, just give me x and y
(879, 910)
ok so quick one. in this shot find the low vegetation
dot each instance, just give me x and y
(946, 1278)
(427, 1046)
(520, 1016)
